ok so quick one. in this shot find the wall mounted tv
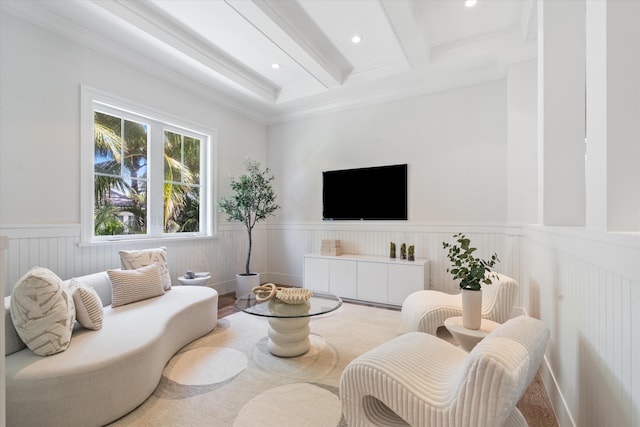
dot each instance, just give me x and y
(373, 193)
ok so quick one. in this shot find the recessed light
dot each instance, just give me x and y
(275, 66)
(470, 3)
(356, 39)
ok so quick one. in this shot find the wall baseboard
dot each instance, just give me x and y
(558, 402)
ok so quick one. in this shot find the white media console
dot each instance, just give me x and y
(366, 278)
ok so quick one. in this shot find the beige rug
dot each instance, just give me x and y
(229, 378)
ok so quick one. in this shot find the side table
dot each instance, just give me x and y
(196, 281)
(468, 338)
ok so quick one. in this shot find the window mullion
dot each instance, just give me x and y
(156, 180)
(182, 159)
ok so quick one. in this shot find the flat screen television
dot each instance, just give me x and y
(373, 193)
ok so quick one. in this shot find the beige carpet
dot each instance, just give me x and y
(228, 378)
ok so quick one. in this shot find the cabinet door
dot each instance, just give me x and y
(372, 281)
(342, 278)
(316, 274)
(404, 280)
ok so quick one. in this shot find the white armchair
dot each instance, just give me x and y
(425, 311)
(418, 379)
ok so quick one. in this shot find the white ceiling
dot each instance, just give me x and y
(227, 47)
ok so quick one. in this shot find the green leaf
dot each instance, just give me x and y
(253, 199)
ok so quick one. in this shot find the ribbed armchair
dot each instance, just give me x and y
(426, 311)
(420, 380)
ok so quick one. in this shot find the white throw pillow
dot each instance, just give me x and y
(129, 286)
(130, 260)
(89, 312)
(42, 312)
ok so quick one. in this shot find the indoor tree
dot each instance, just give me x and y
(252, 201)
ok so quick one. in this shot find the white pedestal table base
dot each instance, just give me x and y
(289, 337)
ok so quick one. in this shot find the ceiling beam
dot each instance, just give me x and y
(152, 20)
(407, 29)
(291, 29)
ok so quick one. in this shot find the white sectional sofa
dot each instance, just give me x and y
(107, 373)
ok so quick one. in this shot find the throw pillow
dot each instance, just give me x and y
(130, 260)
(89, 312)
(129, 286)
(42, 312)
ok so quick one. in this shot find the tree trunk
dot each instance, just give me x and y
(247, 269)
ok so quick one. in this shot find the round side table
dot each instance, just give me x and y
(196, 281)
(468, 338)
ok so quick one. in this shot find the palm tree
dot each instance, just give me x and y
(106, 221)
(182, 179)
(108, 148)
(116, 168)
(121, 166)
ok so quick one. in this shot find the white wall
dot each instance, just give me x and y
(40, 78)
(561, 112)
(40, 85)
(454, 143)
(623, 142)
(613, 112)
(522, 170)
(585, 286)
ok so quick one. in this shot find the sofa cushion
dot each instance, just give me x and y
(42, 312)
(89, 311)
(135, 285)
(12, 341)
(99, 282)
(130, 260)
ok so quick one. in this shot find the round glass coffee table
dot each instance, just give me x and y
(289, 323)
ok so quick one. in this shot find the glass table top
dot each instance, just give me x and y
(319, 303)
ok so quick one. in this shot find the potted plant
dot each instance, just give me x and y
(252, 201)
(472, 272)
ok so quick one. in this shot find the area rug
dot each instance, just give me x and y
(229, 378)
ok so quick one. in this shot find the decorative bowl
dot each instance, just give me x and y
(294, 295)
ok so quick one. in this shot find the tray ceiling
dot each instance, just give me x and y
(228, 47)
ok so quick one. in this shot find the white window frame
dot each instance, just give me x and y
(91, 100)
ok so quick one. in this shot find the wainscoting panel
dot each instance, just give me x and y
(57, 248)
(289, 242)
(584, 286)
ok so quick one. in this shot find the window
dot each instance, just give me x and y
(181, 182)
(150, 176)
(120, 175)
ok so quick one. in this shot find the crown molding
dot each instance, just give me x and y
(128, 31)
(146, 17)
(407, 31)
(415, 84)
(490, 40)
(514, 56)
(64, 23)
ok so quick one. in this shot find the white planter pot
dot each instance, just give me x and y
(471, 308)
(244, 283)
